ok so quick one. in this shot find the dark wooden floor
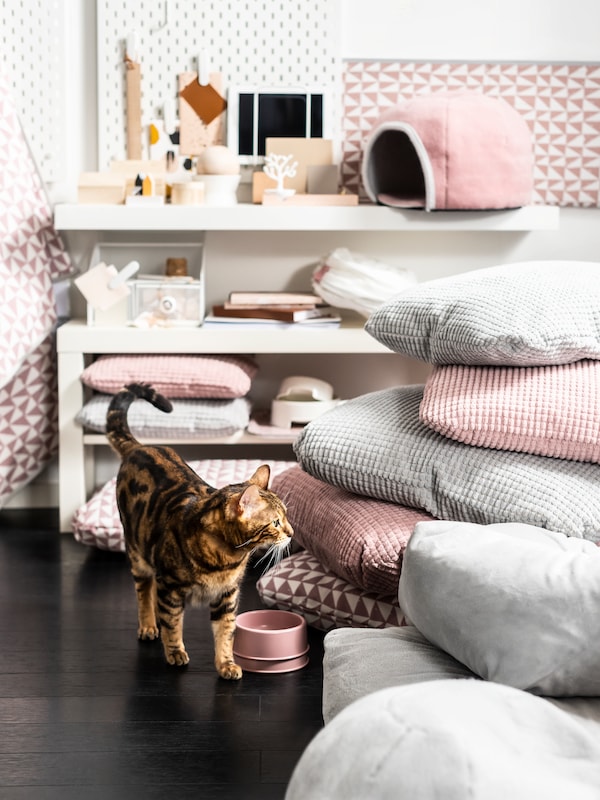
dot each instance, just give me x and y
(87, 712)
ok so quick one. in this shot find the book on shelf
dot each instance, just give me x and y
(283, 313)
(274, 298)
(328, 321)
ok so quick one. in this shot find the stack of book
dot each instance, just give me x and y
(272, 308)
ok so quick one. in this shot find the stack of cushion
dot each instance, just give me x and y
(506, 429)
(209, 394)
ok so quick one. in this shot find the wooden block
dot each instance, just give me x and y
(305, 151)
(260, 182)
(132, 167)
(311, 200)
(322, 179)
(101, 187)
(133, 109)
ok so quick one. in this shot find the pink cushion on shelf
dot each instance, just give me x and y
(175, 376)
(450, 150)
(361, 539)
(548, 411)
(300, 583)
(96, 522)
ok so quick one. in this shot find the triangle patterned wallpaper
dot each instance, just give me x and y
(560, 102)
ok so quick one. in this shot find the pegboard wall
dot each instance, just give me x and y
(267, 42)
(32, 47)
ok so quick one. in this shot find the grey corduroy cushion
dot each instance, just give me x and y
(524, 314)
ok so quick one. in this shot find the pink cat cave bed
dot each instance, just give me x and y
(449, 150)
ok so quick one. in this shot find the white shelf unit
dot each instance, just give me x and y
(76, 341)
(249, 217)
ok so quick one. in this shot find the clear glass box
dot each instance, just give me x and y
(166, 302)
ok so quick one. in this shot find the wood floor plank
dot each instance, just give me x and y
(87, 711)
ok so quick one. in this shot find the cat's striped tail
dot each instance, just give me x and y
(117, 428)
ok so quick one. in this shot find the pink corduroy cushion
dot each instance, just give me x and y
(450, 150)
(548, 411)
(175, 376)
(360, 539)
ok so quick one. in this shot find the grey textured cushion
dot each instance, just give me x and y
(530, 313)
(189, 418)
(376, 446)
(359, 661)
(516, 604)
(456, 740)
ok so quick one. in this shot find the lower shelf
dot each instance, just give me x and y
(242, 437)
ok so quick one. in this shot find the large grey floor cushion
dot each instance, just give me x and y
(375, 445)
(452, 739)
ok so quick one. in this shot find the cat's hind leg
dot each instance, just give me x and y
(170, 613)
(145, 587)
(222, 617)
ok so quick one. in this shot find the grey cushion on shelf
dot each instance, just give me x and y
(516, 604)
(376, 446)
(530, 313)
(201, 418)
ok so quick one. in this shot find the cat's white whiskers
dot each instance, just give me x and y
(274, 555)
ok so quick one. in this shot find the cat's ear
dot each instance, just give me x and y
(250, 501)
(261, 476)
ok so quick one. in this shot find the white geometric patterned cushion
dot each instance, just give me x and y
(31, 252)
(29, 414)
(300, 583)
(175, 376)
(97, 523)
(202, 418)
(532, 313)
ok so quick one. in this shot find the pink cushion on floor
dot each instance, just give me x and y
(361, 539)
(301, 584)
(548, 411)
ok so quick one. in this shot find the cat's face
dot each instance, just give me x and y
(262, 518)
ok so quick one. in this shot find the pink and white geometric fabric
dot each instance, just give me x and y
(31, 258)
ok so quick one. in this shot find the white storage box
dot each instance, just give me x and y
(166, 302)
(152, 257)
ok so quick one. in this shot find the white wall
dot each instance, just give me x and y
(471, 30)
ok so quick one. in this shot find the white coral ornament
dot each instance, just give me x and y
(277, 167)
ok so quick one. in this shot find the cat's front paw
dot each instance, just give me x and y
(177, 657)
(230, 671)
(148, 632)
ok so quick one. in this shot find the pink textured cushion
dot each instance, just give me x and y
(175, 376)
(301, 584)
(549, 411)
(96, 522)
(359, 538)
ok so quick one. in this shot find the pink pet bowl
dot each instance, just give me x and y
(270, 641)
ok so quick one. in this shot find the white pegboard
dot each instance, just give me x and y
(32, 47)
(269, 42)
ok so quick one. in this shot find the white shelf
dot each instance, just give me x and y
(238, 438)
(77, 337)
(248, 217)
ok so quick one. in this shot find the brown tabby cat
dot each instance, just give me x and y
(186, 540)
